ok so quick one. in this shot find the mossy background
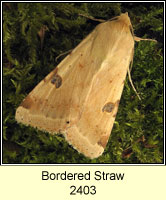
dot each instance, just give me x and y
(137, 136)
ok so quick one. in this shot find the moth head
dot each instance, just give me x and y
(125, 19)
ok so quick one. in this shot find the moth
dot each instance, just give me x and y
(80, 97)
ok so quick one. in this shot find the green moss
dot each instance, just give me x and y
(27, 60)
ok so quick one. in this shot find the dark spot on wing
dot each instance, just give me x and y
(108, 107)
(56, 80)
(80, 65)
(27, 102)
(103, 141)
(115, 114)
(117, 102)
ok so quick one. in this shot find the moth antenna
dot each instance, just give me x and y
(137, 39)
(128, 71)
(63, 54)
(131, 64)
(92, 18)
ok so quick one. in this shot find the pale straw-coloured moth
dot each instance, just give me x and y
(80, 97)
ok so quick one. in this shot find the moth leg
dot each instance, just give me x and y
(66, 52)
(128, 71)
(137, 39)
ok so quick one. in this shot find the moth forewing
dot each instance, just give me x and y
(80, 97)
